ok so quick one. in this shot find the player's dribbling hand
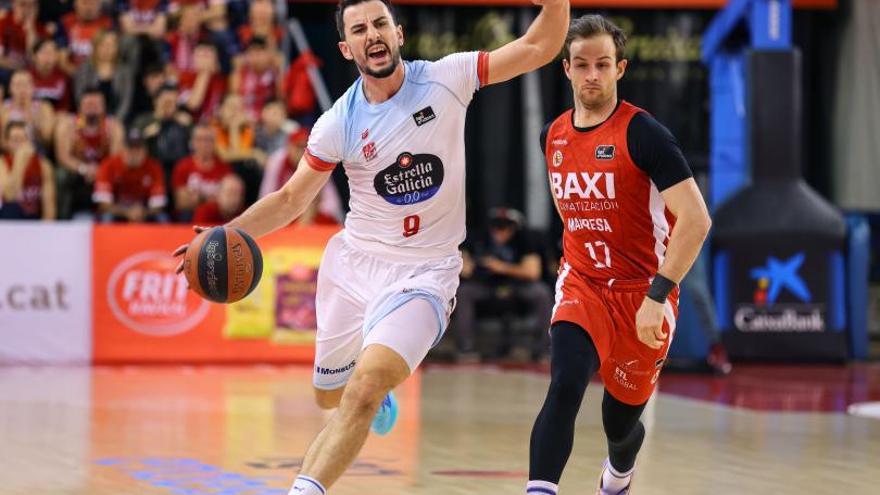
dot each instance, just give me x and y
(182, 249)
(649, 324)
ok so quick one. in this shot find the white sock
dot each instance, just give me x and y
(537, 487)
(613, 481)
(306, 486)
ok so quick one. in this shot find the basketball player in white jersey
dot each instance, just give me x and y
(387, 281)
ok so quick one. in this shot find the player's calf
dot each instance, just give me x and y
(328, 399)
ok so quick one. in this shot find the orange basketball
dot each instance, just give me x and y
(223, 265)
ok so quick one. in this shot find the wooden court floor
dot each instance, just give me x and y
(242, 431)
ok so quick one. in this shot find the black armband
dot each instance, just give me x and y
(660, 288)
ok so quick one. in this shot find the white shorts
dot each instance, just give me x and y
(356, 290)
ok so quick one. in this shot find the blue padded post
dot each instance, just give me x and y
(859, 252)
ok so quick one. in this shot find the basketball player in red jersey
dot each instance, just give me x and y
(634, 222)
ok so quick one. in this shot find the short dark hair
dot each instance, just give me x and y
(344, 4)
(91, 90)
(12, 125)
(592, 25)
(206, 43)
(41, 43)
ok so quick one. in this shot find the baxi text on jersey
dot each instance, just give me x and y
(583, 185)
(593, 224)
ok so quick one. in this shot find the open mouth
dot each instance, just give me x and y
(378, 53)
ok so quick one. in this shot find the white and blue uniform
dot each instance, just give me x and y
(405, 162)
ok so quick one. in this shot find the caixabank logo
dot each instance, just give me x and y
(781, 300)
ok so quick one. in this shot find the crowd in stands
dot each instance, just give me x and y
(150, 110)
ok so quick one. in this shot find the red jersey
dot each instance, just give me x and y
(205, 182)
(13, 38)
(209, 214)
(53, 87)
(80, 34)
(181, 48)
(91, 144)
(616, 225)
(118, 183)
(31, 200)
(213, 95)
(256, 88)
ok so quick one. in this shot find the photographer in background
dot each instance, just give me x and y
(504, 265)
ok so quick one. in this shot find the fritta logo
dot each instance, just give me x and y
(146, 294)
(777, 275)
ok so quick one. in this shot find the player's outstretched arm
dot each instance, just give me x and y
(538, 47)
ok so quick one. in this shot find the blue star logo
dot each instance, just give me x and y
(782, 274)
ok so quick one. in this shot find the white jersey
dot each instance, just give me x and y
(404, 158)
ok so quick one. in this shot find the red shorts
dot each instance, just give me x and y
(607, 312)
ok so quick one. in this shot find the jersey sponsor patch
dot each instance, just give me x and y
(424, 116)
(411, 179)
(605, 152)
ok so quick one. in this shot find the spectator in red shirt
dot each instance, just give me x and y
(27, 182)
(22, 106)
(130, 186)
(182, 41)
(143, 17)
(297, 89)
(51, 84)
(82, 141)
(228, 204)
(19, 31)
(196, 178)
(327, 207)
(256, 78)
(202, 89)
(261, 23)
(80, 26)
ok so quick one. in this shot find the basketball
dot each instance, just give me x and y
(223, 265)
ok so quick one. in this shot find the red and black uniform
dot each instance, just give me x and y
(606, 181)
(31, 199)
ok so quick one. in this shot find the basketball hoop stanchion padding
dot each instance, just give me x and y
(780, 276)
(783, 271)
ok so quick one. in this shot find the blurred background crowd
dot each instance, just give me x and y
(150, 110)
